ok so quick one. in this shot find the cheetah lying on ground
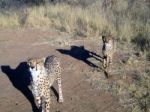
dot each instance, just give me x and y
(107, 50)
(44, 72)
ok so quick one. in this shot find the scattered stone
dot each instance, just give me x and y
(138, 54)
(16, 103)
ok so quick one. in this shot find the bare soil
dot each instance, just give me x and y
(78, 66)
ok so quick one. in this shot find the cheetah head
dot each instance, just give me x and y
(32, 63)
(107, 39)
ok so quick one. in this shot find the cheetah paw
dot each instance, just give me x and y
(61, 100)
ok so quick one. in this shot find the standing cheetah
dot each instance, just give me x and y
(107, 50)
(44, 72)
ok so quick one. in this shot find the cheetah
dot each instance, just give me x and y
(108, 50)
(44, 71)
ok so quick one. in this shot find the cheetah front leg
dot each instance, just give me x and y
(105, 61)
(38, 99)
(47, 105)
(110, 60)
(47, 102)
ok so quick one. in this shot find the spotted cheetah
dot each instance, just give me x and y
(108, 50)
(44, 72)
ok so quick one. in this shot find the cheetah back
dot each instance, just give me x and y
(52, 65)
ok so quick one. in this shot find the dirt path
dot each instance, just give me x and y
(80, 96)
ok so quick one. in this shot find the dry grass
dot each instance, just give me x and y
(123, 20)
(66, 18)
(134, 86)
(9, 20)
(140, 92)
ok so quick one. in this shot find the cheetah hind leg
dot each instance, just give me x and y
(46, 101)
(61, 100)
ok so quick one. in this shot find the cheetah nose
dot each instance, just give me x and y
(32, 67)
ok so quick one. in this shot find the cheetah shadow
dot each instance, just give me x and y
(21, 79)
(80, 53)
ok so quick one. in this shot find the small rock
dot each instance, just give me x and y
(138, 54)
(16, 103)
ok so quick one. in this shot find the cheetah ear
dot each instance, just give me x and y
(104, 38)
(28, 60)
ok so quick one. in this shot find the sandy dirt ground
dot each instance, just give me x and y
(16, 46)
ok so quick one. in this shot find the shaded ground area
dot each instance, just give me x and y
(79, 60)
